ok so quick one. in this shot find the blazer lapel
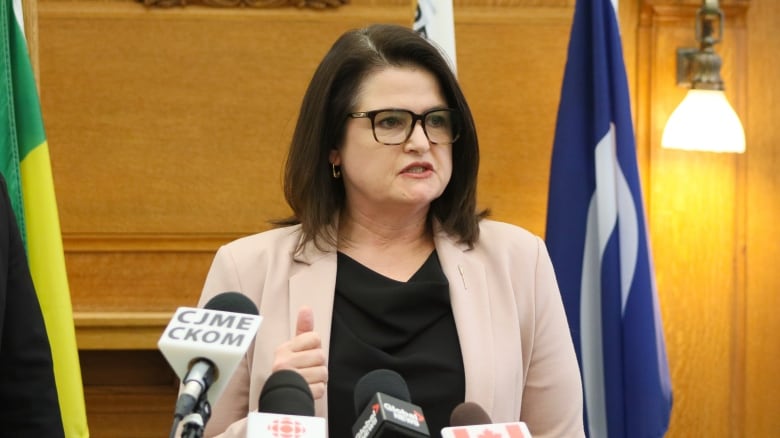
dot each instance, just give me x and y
(314, 286)
(471, 309)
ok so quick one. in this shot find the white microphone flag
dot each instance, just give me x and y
(267, 425)
(221, 337)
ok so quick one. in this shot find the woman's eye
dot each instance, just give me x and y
(389, 122)
(436, 121)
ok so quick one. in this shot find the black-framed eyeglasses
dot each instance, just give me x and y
(394, 126)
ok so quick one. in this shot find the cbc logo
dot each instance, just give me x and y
(286, 428)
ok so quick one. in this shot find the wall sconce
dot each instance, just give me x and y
(704, 120)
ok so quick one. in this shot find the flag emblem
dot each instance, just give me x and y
(286, 428)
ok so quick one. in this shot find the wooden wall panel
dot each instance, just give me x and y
(695, 221)
(141, 281)
(762, 388)
(129, 393)
(186, 115)
(511, 68)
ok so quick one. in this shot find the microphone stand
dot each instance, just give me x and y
(194, 423)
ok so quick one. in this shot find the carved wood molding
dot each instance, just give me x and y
(119, 330)
(135, 242)
(314, 4)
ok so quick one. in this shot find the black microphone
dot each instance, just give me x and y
(286, 409)
(286, 392)
(387, 412)
(469, 414)
(205, 345)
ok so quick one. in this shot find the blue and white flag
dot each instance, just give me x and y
(435, 20)
(597, 238)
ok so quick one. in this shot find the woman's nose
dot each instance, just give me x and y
(418, 141)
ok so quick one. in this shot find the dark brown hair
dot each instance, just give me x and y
(313, 194)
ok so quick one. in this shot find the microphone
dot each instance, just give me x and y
(387, 411)
(205, 345)
(469, 420)
(286, 409)
(467, 414)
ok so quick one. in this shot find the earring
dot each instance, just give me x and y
(335, 171)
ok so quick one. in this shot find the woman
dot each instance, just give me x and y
(386, 262)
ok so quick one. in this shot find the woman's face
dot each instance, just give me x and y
(404, 178)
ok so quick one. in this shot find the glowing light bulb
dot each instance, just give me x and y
(704, 121)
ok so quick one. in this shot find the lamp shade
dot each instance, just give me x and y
(704, 121)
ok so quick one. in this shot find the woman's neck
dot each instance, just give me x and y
(394, 248)
(384, 229)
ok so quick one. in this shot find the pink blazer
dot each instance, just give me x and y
(518, 355)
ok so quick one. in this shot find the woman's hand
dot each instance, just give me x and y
(304, 354)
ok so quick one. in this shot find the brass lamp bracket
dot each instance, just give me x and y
(700, 68)
(684, 57)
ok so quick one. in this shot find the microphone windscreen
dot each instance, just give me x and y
(235, 302)
(286, 392)
(469, 414)
(385, 381)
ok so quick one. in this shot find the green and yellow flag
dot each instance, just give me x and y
(25, 163)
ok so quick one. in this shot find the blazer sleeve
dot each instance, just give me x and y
(28, 395)
(552, 402)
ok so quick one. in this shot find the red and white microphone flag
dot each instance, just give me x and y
(500, 430)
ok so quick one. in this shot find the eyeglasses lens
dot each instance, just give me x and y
(395, 126)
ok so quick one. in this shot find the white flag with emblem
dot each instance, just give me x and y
(434, 19)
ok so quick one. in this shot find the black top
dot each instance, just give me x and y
(407, 327)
